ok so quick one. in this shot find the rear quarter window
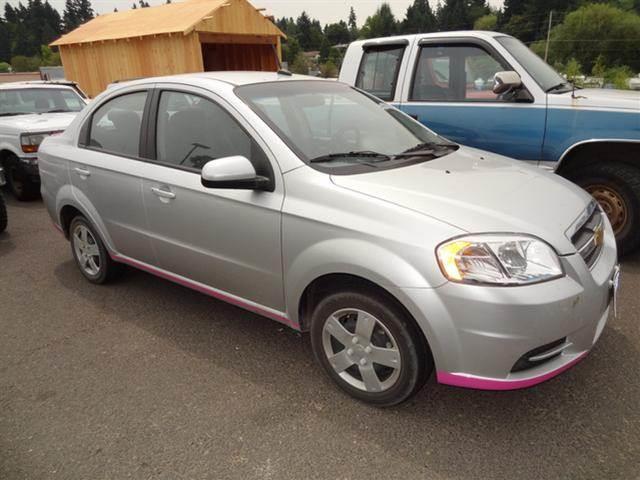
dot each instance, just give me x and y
(379, 68)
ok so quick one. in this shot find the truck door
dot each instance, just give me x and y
(449, 89)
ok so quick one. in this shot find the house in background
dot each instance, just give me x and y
(191, 36)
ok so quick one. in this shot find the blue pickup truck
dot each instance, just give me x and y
(489, 91)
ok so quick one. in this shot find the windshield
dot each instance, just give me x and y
(333, 125)
(542, 73)
(20, 101)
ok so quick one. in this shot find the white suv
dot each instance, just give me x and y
(28, 113)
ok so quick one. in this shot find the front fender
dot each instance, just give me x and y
(348, 256)
(69, 195)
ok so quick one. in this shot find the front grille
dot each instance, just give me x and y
(525, 362)
(588, 239)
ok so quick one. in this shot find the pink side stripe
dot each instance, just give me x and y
(57, 227)
(206, 290)
(480, 383)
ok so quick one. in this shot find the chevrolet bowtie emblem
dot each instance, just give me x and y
(598, 236)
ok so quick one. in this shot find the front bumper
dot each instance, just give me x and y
(28, 165)
(477, 334)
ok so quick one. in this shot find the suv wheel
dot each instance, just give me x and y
(616, 187)
(3, 215)
(369, 347)
(89, 252)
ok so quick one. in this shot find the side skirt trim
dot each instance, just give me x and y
(483, 383)
(212, 292)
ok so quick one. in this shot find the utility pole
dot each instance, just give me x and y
(546, 48)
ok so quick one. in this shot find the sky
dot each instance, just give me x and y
(327, 11)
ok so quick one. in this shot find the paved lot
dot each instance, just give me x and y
(146, 379)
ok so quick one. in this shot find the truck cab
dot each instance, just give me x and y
(488, 90)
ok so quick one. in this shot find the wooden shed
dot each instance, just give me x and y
(191, 36)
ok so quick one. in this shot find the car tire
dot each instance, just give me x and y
(22, 188)
(91, 256)
(3, 214)
(339, 318)
(616, 187)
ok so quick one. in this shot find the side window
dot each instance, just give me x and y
(379, 70)
(115, 126)
(455, 73)
(192, 130)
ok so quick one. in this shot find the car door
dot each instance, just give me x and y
(221, 238)
(106, 172)
(449, 89)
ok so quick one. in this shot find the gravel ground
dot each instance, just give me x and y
(147, 379)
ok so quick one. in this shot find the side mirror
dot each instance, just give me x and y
(235, 172)
(505, 81)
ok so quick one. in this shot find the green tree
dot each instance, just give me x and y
(21, 63)
(328, 70)
(48, 57)
(290, 50)
(573, 69)
(300, 65)
(4, 67)
(486, 22)
(352, 23)
(618, 76)
(337, 33)
(381, 24)
(599, 67)
(419, 18)
(598, 30)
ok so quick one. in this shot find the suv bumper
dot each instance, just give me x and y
(478, 334)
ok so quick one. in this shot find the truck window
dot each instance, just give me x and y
(379, 68)
(455, 73)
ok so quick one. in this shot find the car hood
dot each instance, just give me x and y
(599, 98)
(44, 122)
(480, 192)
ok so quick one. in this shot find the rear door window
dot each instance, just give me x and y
(379, 69)
(115, 126)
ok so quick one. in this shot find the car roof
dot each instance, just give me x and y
(453, 34)
(33, 84)
(234, 78)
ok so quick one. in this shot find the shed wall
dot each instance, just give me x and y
(95, 65)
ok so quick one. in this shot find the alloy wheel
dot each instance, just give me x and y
(86, 250)
(361, 350)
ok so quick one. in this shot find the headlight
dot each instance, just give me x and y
(31, 141)
(501, 259)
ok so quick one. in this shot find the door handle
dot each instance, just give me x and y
(163, 193)
(82, 172)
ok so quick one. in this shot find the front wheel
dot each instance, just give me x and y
(22, 187)
(616, 187)
(369, 347)
(3, 215)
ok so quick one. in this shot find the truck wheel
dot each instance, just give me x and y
(368, 346)
(3, 215)
(89, 252)
(19, 183)
(616, 187)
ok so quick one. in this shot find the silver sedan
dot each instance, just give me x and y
(316, 205)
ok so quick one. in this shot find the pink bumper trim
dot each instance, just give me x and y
(481, 383)
(58, 228)
(206, 290)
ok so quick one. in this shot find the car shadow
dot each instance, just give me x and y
(505, 430)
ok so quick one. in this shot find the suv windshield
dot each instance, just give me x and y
(333, 126)
(20, 101)
(542, 73)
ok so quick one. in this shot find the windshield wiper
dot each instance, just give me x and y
(556, 87)
(426, 148)
(57, 110)
(361, 154)
(11, 114)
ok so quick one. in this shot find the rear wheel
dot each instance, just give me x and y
(89, 252)
(369, 347)
(616, 187)
(3, 215)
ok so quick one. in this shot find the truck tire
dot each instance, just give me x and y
(3, 215)
(616, 187)
(20, 185)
